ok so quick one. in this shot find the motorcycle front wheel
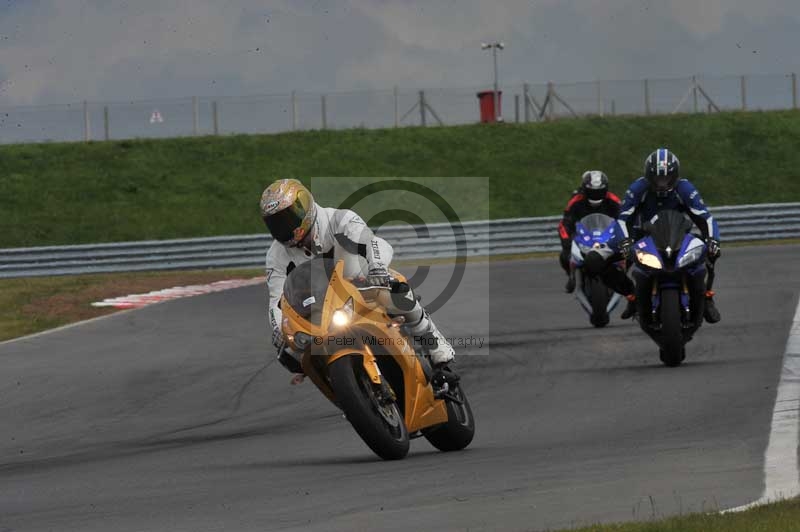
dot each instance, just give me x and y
(672, 351)
(459, 429)
(375, 418)
(599, 297)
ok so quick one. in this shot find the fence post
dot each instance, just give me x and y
(743, 83)
(105, 123)
(600, 107)
(526, 89)
(694, 92)
(422, 108)
(550, 99)
(646, 97)
(396, 107)
(516, 108)
(215, 116)
(794, 90)
(195, 116)
(87, 132)
(294, 111)
(324, 113)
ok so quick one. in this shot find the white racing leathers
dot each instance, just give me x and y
(341, 234)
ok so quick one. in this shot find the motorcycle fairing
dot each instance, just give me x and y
(420, 408)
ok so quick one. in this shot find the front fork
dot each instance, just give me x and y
(685, 301)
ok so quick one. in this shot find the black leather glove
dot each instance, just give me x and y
(712, 247)
(625, 247)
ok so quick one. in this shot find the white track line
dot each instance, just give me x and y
(781, 468)
(177, 292)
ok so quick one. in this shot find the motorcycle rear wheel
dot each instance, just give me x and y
(380, 425)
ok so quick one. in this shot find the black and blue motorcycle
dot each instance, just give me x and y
(669, 272)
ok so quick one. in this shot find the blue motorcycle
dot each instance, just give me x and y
(669, 272)
(592, 246)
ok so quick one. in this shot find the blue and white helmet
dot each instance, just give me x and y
(662, 171)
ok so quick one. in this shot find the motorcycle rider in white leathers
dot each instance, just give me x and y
(303, 230)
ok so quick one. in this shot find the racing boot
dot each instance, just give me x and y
(711, 313)
(427, 334)
(570, 286)
(630, 310)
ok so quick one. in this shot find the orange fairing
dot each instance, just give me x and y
(366, 331)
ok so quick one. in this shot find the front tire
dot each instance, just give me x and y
(379, 422)
(599, 296)
(672, 350)
(458, 431)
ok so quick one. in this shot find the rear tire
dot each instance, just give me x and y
(599, 298)
(459, 429)
(672, 349)
(382, 427)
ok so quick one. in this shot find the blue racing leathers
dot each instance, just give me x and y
(641, 204)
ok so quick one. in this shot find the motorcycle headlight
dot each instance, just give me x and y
(649, 260)
(342, 316)
(691, 256)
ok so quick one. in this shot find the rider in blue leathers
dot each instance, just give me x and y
(661, 188)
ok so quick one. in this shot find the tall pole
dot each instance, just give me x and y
(87, 131)
(195, 116)
(294, 111)
(498, 117)
(215, 116)
(396, 108)
(743, 88)
(106, 134)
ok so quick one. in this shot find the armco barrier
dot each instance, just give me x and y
(496, 237)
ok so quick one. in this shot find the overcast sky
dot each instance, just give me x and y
(57, 51)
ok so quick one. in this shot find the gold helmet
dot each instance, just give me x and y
(288, 210)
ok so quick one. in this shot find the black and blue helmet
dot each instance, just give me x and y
(662, 170)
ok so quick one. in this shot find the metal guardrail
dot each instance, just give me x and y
(481, 238)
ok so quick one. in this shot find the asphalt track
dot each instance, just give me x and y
(174, 418)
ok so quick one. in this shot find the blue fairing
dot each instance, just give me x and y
(601, 232)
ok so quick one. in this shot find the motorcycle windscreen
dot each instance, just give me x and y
(668, 229)
(306, 286)
(598, 227)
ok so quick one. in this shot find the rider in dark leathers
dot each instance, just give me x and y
(661, 188)
(593, 197)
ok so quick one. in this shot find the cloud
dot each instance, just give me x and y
(71, 50)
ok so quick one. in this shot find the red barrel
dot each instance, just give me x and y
(486, 101)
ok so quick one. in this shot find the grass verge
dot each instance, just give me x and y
(36, 304)
(69, 193)
(781, 516)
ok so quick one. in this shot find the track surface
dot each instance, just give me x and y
(167, 418)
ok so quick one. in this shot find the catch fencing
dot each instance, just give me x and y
(470, 239)
(398, 107)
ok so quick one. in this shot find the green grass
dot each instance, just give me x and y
(777, 517)
(35, 304)
(66, 193)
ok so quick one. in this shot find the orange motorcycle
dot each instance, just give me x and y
(361, 358)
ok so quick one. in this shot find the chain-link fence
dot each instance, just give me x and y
(391, 108)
